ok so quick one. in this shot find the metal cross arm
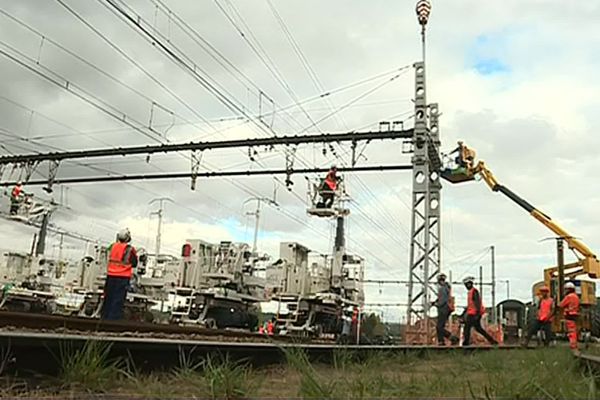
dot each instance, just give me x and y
(199, 146)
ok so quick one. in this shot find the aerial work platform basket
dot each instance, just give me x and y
(324, 202)
(457, 175)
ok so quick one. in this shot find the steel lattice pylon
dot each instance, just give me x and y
(425, 223)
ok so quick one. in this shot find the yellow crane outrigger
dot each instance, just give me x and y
(467, 169)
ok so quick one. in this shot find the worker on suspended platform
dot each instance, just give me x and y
(570, 307)
(121, 262)
(544, 318)
(328, 187)
(16, 197)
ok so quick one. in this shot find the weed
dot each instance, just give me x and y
(226, 379)
(89, 367)
(311, 386)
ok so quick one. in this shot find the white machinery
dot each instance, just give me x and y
(218, 287)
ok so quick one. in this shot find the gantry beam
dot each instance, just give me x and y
(200, 146)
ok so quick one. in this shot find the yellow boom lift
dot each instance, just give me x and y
(466, 169)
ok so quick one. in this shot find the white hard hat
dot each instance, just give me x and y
(569, 285)
(469, 279)
(124, 235)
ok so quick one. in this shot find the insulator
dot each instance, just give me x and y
(423, 10)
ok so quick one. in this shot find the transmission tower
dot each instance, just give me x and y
(425, 222)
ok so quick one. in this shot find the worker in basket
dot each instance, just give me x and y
(465, 156)
(570, 307)
(16, 197)
(121, 262)
(543, 321)
(328, 187)
(473, 314)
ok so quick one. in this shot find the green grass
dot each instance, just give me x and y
(89, 368)
(515, 374)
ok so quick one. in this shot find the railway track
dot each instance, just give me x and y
(590, 361)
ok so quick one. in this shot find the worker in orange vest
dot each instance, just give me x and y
(270, 327)
(329, 186)
(475, 310)
(121, 262)
(544, 317)
(15, 198)
(570, 306)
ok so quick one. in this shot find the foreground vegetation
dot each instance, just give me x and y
(545, 373)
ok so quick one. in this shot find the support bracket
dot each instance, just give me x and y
(195, 159)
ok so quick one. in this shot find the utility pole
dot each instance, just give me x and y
(481, 281)
(425, 254)
(256, 215)
(561, 267)
(493, 262)
(161, 201)
(41, 243)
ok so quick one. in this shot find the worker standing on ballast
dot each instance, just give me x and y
(121, 262)
(570, 306)
(329, 186)
(472, 316)
(445, 307)
(544, 317)
(16, 196)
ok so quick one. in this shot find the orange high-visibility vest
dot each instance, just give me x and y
(545, 310)
(331, 181)
(270, 328)
(16, 191)
(570, 305)
(119, 262)
(471, 307)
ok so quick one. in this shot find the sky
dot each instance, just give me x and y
(515, 80)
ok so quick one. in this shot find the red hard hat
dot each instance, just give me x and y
(544, 289)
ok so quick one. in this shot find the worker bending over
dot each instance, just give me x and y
(570, 306)
(329, 186)
(445, 307)
(544, 317)
(121, 262)
(475, 310)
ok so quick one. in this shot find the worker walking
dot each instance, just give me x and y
(121, 262)
(329, 186)
(445, 307)
(543, 321)
(475, 310)
(570, 306)
(16, 196)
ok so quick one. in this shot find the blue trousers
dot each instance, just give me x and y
(115, 292)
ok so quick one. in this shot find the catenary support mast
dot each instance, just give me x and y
(425, 254)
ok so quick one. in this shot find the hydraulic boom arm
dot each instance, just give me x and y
(468, 170)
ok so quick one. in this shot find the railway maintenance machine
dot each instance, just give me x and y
(464, 168)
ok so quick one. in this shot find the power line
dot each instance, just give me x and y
(210, 174)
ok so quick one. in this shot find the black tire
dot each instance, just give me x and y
(210, 323)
